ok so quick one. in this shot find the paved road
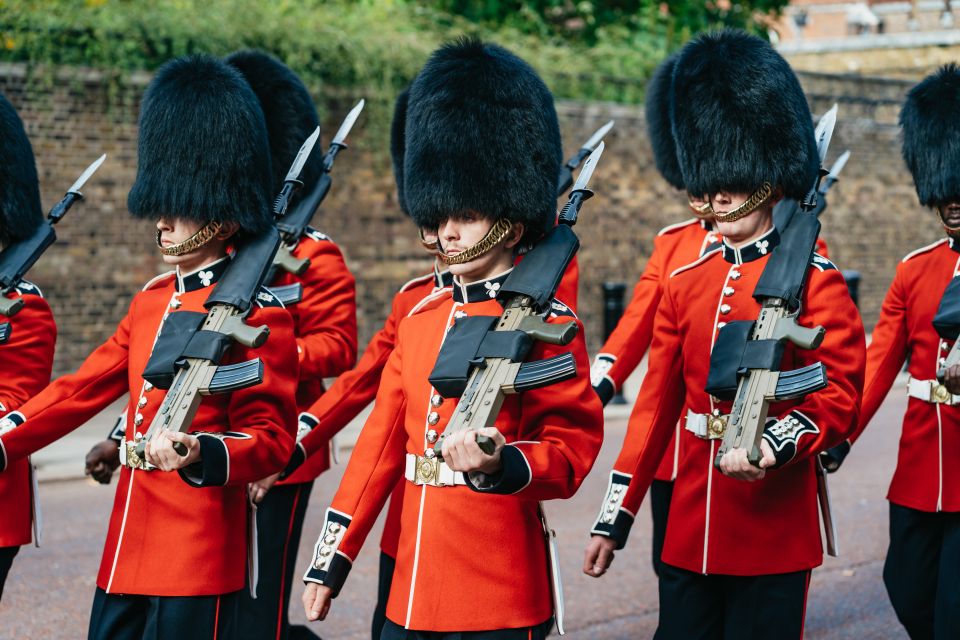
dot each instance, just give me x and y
(49, 592)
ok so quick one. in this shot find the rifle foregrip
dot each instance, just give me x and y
(561, 334)
(231, 377)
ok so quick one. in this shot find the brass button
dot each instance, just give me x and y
(326, 551)
(429, 453)
(724, 308)
(142, 402)
(436, 400)
(175, 304)
(721, 325)
(433, 418)
(728, 291)
(734, 275)
(330, 539)
(432, 436)
(147, 386)
(334, 527)
(138, 420)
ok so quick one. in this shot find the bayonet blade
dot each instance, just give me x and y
(302, 156)
(838, 166)
(598, 136)
(824, 132)
(348, 123)
(585, 174)
(89, 171)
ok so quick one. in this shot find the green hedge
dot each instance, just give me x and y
(373, 47)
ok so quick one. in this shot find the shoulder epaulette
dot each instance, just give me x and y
(155, 282)
(696, 262)
(560, 310)
(313, 234)
(676, 227)
(416, 281)
(922, 250)
(28, 288)
(822, 263)
(265, 298)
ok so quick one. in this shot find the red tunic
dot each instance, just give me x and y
(719, 525)
(325, 323)
(675, 246)
(27, 355)
(463, 535)
(244, 435)
(928, 467)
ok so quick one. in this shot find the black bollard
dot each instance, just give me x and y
(613, 306)
(853, 285)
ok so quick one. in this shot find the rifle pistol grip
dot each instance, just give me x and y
(285, 259)
(803, 337)
(243, 333)
(538, 329)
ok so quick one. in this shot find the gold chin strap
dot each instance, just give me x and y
(429, 246)
(759, 198)
(204, 234)
(494, 236)
(702, 211)
(943, 221)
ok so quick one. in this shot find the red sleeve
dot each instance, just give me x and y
(624, 349)
(71, 400)
(569, 288)
(886, 353)
(658, 405)
(262, 418)
(827, 417)
(326, 317)
(562, 427)
(375, 467)
(353, 390)
(28, 353)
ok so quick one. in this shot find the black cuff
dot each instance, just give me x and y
(212, 470)
(9, 422)
(297, 458)
(514, 476)
(335, 575)
(614, 522)
(619, 531)
(330, 567)
(605, 390)
(833, 457)
(782, 435)
(119, 429)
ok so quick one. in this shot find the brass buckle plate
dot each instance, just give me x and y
(716, 426)
(427, 471)
(133, 460)
(939, 394)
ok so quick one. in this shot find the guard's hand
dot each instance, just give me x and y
(734, 463)
(161, 454)
(258, 490)
(316, 601)
(598, 556)
(951, 379)
(462, 453)
(102, 460)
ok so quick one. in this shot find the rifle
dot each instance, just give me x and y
(17, 258)
(186, 360)
(751, 353)
(565, 179)
(482, 359)
(947, 323)
(293, 224)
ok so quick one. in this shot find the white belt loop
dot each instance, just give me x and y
(421, 470)
(931, 391)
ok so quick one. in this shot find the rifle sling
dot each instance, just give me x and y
(178, 329)
(207, 345)
(947, 319)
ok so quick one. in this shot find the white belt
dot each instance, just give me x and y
(931, 391)
(706, 426)
(432, 471)
(129, 457)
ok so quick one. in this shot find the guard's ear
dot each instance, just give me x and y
(228, 230)
(515, 235)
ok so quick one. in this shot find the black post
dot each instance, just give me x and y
(613, 306)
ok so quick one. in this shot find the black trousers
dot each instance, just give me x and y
(119, 617)
(7, 554)
(387, 565)
(279, 523)
(660, 493)
(393, 631)
(922, 571)
(695, 606)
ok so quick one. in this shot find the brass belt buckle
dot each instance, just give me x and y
(134, 461)
(716, 425)
(939, 393)
(427, 471)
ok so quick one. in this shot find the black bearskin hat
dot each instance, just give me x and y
(19, 187)
(481, 135)
(203, 151)
(740, 118)
(659, 127)
(931, 136)
(290, 112)
(398, 144)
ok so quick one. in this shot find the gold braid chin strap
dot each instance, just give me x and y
(429, 246)
(204, 234)
(759, 198)
(702, 211)
(494, 236)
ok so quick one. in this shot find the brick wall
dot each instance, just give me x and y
(104, 256)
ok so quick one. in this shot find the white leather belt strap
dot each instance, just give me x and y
(432, 471)
(931, 391)
(706, 426)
